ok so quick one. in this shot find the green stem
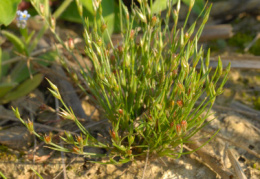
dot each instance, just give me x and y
(62, 8)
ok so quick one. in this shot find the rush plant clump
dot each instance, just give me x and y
(150, 86)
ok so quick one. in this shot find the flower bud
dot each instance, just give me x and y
(113, 134)
(178, 129)
(53, 23)
(141, 16)
(42, 9)
(55, 94)
(120, 50)
(47, 138)
(131, 140)
(186, 36)
(172, 124)
(69, 137)
(99, 43)
(76, 150)
(79, 140)
(172, 103)
(132, 33)
(180, 86)
(16, 112)
(184, 125)
(71, 44)
(103, 27)
(154, 20)
(191, 4)
(30, 126)
(54, 87)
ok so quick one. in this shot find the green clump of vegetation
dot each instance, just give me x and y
(255, 48)
(148, 87)
(6, 154)
(257, 102)
(239, 40)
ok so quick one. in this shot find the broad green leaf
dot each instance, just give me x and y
(23, 89)
(108, 12)
(198, 5)
(88, 5)
(160, 5)
(4, 68)
(47, 58)
(17, 42)
(5, 88)
(8, 10)
(71, 14)
(19, 72)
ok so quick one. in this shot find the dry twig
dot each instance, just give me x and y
(211, 161)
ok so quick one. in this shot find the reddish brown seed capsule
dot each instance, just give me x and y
(180, 103)
(174, 56)
(112, 58)
(43, 107)
(120, 49)
(113, 134)
(172, 124)
(76, 150)
(178, 129)
(132, 33)
(189, 91)
(129, 152)
(180, 86)
(79, 139)
(154, 20)
(120, 111)
(47, 139)
(184, 125)
(71, 43)
(174, 73)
